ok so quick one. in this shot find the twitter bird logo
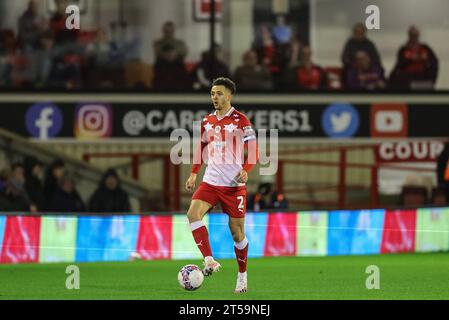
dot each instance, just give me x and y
(340, 120)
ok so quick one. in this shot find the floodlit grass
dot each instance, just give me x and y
(402, 276)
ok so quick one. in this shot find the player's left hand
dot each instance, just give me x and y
(242, 177)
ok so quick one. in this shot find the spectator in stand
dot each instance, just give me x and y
(295, 53)
(8, 50)
(67, 66)
(309, 76)
(10, 199)
(266, 198)
(13, 196)
(365, 75)
(44, 61)
(33, 182)
(109, 196)
(4, 63)
(104, 64)
(168, 40)
(17, 182)
(265, 47)
(68, 53)
(251, 75)
(417, 64)
(358, 42)
(124, 47)
(63, 36)
(170, 73)
(54, 173)
(274, 51)
(66, 198)
(30, 27)
(203, 75)
(443, 170)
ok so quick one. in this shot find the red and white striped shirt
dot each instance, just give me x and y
(226, 139)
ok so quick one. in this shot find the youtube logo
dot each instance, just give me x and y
(389, 120)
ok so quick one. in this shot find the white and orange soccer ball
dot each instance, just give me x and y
(190, 277)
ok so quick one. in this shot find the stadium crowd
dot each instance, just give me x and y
(44, 54)
(30, 187)
(23, 187)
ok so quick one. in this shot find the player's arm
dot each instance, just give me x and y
(251, 150)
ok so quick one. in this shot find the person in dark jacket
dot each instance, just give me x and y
(203, 75)
(443, 170)
(364, 75)
(417, 64)
(359, 42)
(33, 182)
(109, 196)
(251, 75)
(267, 198)
(12, 194)
(170, 74)
(66, 198)
(54, 173)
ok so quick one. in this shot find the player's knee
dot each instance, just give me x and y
(193, 215)
(237, 236)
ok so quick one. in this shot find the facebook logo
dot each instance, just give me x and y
(43, 120)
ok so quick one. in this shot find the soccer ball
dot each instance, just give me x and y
(190, 277)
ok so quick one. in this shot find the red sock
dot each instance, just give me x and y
(242, 255)
(201, 237)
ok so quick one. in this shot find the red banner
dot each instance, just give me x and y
(389, 120)
(281, 235)
(399, 231)
(155, 237)
(203, 8)
(21, 240)
(409, 151)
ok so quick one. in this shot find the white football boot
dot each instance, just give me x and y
(210, 266)
(242, 283)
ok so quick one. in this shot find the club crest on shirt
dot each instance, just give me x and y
(230, 127)
(217, 129)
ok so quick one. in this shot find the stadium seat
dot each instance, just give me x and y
(139, 73)
(334, 75)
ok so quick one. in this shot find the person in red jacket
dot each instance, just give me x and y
(417, 65)
(310, 76)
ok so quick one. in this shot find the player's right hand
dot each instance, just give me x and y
(190, 183)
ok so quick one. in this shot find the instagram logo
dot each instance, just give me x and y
(93, 120)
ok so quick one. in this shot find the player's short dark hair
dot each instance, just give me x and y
(226, 82)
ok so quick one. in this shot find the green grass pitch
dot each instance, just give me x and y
(402, 276)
